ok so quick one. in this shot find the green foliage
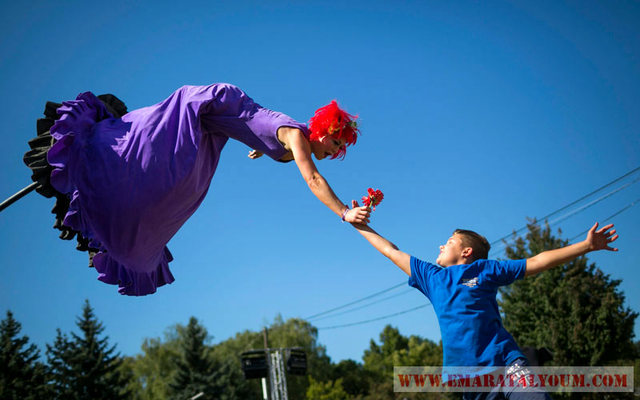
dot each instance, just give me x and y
(379, 358)
(21, 375)
(153, 369)
(396, 349)
(197, 372)
(157, 367)
(60, 356)
(84, 366)
(355, 379)
(575, 310)
(292, 333)
(329, 390)
(183, 363)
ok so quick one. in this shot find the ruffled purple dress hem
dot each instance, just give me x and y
(71, 132)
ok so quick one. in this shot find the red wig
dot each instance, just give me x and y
(333, 121)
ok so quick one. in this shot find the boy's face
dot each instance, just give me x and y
(452, 252)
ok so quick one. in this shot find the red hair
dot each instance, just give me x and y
(333, 121)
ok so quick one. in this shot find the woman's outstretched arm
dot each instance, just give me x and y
(301, 150)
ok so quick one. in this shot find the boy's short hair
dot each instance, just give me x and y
(477, 242)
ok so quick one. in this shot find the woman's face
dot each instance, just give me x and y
(326, 147)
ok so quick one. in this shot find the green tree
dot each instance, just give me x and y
(22, 376)
(155, 368)
(329, 390)
(355, 380)
(84, 366)
(398, 350)
(197, 371)
(291, 333)
(60, 357)
(575, 309)
(378, 359)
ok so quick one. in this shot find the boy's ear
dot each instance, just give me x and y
(467, 252)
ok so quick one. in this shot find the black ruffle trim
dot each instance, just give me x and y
(36, 160)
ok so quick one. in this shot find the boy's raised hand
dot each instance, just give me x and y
(599, 239)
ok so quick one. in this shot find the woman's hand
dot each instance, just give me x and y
(357, 214)
(253, 154)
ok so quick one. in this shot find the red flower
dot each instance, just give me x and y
(373, 198)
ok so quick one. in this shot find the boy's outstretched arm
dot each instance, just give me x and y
(388, 249)
(596, 240)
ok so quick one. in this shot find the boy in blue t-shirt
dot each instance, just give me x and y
(462, 288)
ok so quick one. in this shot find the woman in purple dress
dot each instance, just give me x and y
(126, 182)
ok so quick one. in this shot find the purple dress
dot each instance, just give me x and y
(134, 181)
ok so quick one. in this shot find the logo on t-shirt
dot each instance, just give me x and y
(473, 282)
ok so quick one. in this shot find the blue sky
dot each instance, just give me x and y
(474, 114)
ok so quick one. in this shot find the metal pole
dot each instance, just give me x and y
(265, 392)
(282, 376)
(265, 396)
(277, 376)
(273, 375)
(18, 195)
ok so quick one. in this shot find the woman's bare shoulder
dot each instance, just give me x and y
(287, 135)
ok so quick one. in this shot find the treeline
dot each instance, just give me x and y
(575, 311)
(83, 365)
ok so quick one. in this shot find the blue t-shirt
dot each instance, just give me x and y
(464, 299)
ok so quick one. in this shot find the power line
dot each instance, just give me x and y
(594, 202)
(625, 208)
(357, 301)
(375, 319)
(573, 202)
(365, 305)
(628, 206)
(510, 235)
(584, 207)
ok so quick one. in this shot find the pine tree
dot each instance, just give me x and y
(84, 366)
(575, 310)
(22, 376)
(197, 371)
(60, 359)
